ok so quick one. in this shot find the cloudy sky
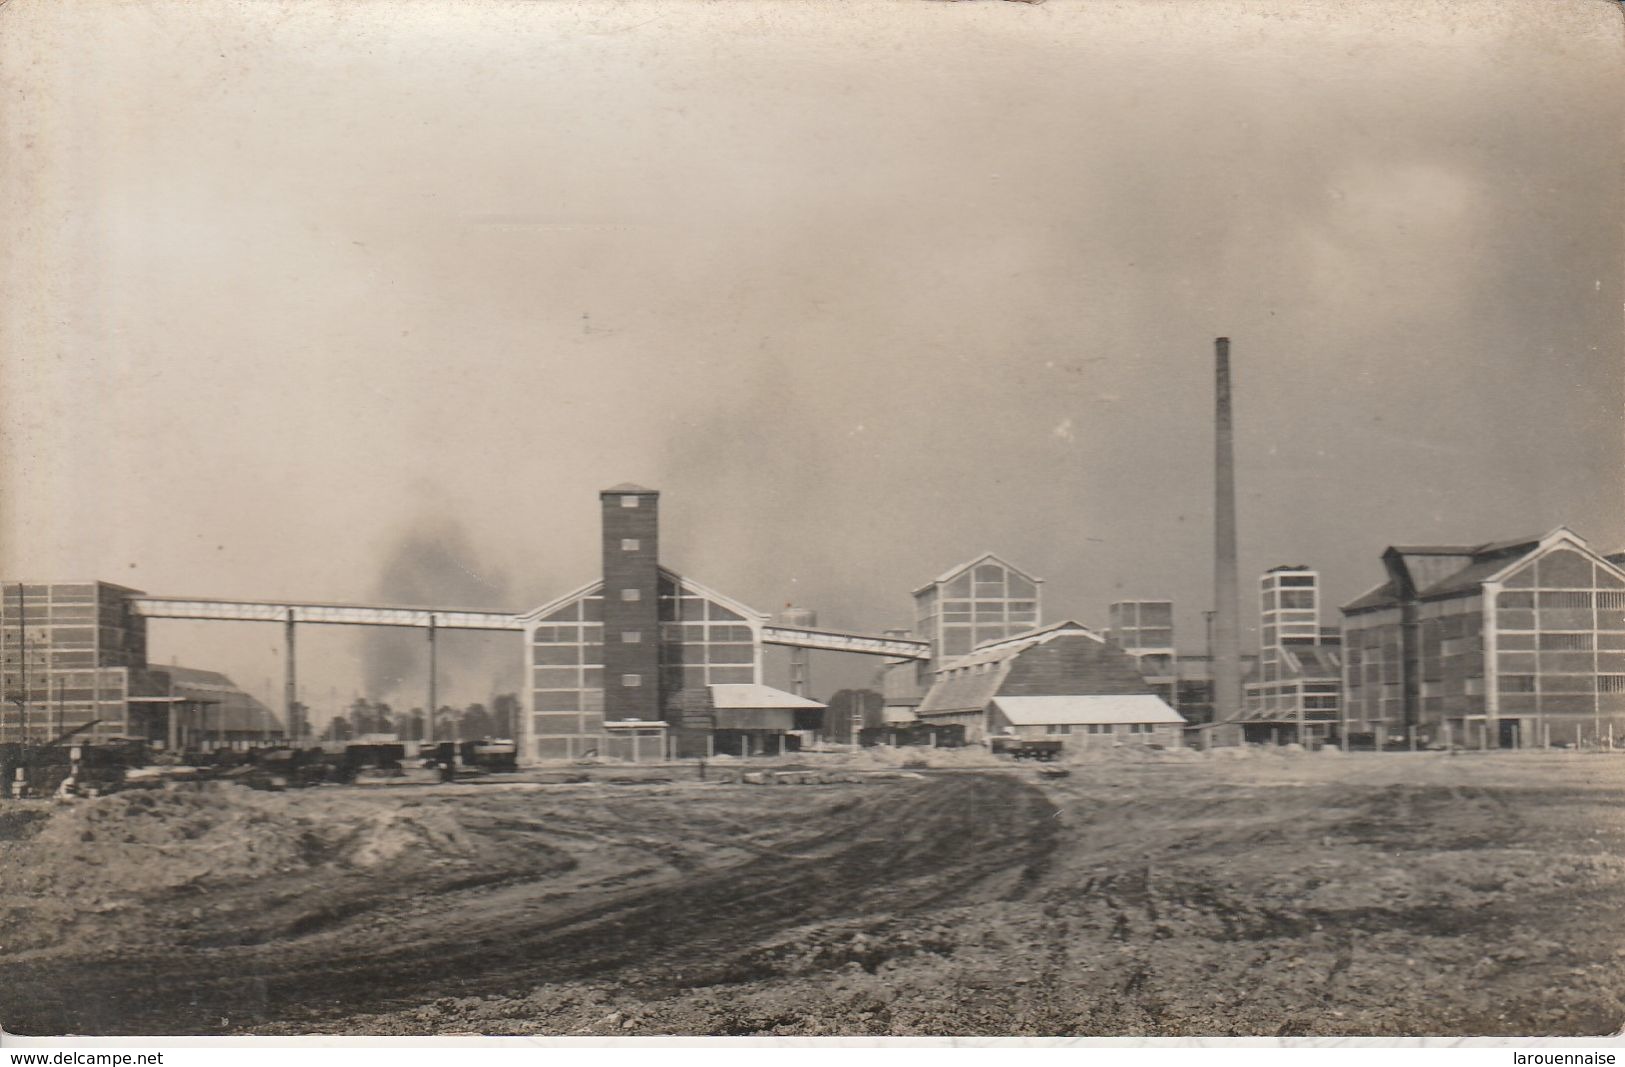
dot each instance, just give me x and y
(366, 301)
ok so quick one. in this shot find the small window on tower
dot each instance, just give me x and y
(631, 637)
(631, 594)
(629, 501)
(631, 681)
(629, 544)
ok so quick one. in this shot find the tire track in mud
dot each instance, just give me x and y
(909, 847)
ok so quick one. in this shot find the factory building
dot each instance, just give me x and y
(984, 600)
(1294, 691)
(1145, 630)
(966, 606)
(213, 711)
(1143, 627)
(1087, 720)
(1059, 680)
(73, 653)
(644, 663)
(1506, 644)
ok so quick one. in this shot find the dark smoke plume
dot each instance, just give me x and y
(434, 564)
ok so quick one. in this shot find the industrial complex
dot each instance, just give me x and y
(1500, 645)
(534, 873)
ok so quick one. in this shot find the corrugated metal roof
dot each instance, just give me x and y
(1466, 580)
(1383, 595)
(1498, 547)
(1479, 563)
(1084, 710)
(969, 682)
(1005, 647)
(729, 695)
(230, 707)
(954, 692)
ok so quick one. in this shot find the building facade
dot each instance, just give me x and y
(1506, 644)
(1087, 721)
(1294, 693)
(1143, 627)
(71, 653)
(75, 653)
(625, 667)
(984, 600)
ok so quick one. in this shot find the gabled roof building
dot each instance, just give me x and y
(1504, 644)
(644, 663)
(1055, 680)
(969, 605)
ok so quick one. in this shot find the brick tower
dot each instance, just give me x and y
(631, 603)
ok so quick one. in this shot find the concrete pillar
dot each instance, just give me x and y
(290, 683)
(434, 696)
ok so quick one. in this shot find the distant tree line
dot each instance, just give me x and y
(465, 724)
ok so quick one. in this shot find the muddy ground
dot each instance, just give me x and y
(1295, 895)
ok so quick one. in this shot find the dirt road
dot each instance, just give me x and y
(665, 887)
(1316, 895)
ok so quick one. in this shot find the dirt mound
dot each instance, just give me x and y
(134, 843)
(143, 841)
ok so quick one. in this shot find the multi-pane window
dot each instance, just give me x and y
(980, 603)
(630, 544)
(631, 594)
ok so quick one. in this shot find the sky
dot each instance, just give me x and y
(366, 301)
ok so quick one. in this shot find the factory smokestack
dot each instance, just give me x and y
(1226, 615)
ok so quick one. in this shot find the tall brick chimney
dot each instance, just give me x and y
(1226, 601)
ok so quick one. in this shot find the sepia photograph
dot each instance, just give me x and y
(912, 519)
